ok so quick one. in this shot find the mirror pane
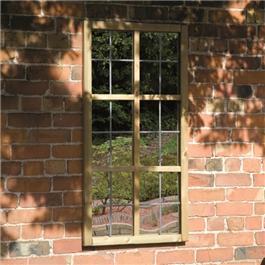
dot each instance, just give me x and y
(149, 219)
(149, 116)
(122, 220)
(121, 45)
(121, 77)
(170, 46)
(149, 187)
(169, 78)
(100, 77)
(149, 78)
(121, 115)
(149, 149)
(170, 187)
(170, 149)
(170, 218)
(170, 115)
(147, 40)
(100, 116)
(100, 44)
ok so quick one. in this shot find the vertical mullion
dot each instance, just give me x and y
(136, 125)
(184, 133)
(159, 135)
(110, 132)
(87, 75)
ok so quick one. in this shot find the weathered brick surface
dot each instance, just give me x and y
(41, 120)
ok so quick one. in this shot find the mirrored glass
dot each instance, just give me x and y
(149, 78)
(121, 77)
(100, 116)
(170, 218)
(121, 45)
(169, 78)
(100, 77)
(149, 116)
(170, 149)
(149, 187)
(170, 115)
(122, 116)
(101, 151)
(149, 149)
(122, 220)
(100, 44)
(149, 46)
(149, 219)
(170, 46)
(122, 186)
(170, 187)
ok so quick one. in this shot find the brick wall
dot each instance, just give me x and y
(41, 185)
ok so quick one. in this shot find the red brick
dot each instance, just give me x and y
(201, 120)
(31, 151)
(20, 87)
(196, 224)
(29, 216)
(99, 259)
(233, 179)
(237, 31)
(199, 180)
(224, 17)
(9, 103)
(260, 208)
(28, 120)
(53, 231)
(55, 166)
(200, 150)
(202, 209)
(135, 257)
(213, 76)
(196, 164)
(254, 252)
(13, 71)
(77, 135)
(259, 150)
(28, 8)
(52, 260)
(32, 168)
(234, 208)
(232, 149)
(36, 40)
(260, 92)
(210, 135)
(206, 61)
(76, 73)
(72, 58)
(6, 152)
(73, 104)
(253, 106)
(253, 222)
(212, 255)
(67, 120)
(67, 151)
(10, 233)
(48, 73)
(12, 261)
(66, 88)
(224, 91)
(244, 194)
(72, 198)
(8, 200)
(235, 223)
(249, 77)
(14, 136)
(259, 180)
(40, 199)
(67, 183)
(76, 9)
(67, 246)
(179, 256)
(206, 195)
(34, 56)
(232, 164)
(200, 240)
(32, 23)
(31, 104)
(53, 103)
(58, 40)
(238, 62)
(31, 231)
(225, 120)
(250, 121)
(73, 230)
(76, 41)
(67, 214)
(215, 224)
(74, 166)
(247, 135)
(260, 238)
(50, 136)
(28, 184)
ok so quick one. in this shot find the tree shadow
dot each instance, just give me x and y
(42, 60)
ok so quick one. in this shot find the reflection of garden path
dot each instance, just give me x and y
(149, 215)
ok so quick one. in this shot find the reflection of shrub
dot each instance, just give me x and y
(170, 209)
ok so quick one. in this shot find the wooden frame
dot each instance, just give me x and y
(136, 238)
